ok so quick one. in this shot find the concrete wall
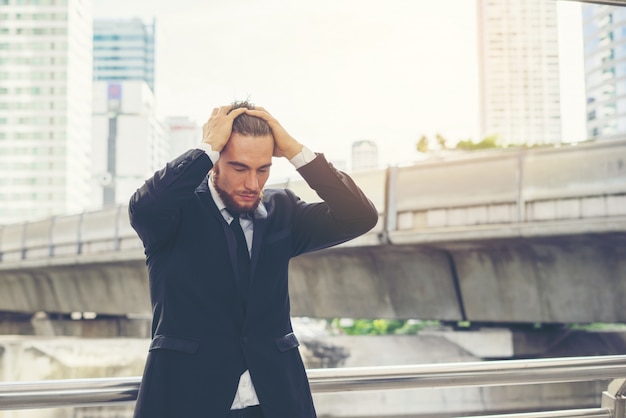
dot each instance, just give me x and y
(560, 279)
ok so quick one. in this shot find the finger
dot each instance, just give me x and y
(259, 113)
(215, 110)
(262, 109)
(236, 112)
(223, 110)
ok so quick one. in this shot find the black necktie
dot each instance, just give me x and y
(243, 260)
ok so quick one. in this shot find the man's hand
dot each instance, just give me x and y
(217, 130)
(284, 144)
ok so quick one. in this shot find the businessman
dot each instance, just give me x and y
(217, 251)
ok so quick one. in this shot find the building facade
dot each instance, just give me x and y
(364, 155)
(123, 50)
(45, 107)
(604, 31)
(184, 134)
(519, 71)
(129, 143)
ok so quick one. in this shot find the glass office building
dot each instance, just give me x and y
(45, 107)
(519, 71)
(123, 50)
(604, 31)
(129, 142)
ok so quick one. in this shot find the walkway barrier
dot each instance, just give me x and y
(116, 391)
(526, 187)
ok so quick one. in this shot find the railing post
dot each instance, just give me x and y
(23, 243)
(390, 220)
(613, 398)
(117, 239)
(79, 234)
(51, 237)
(520, 202)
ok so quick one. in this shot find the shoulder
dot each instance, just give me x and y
(279, 198)
(277, 195)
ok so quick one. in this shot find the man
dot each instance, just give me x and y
(222, 343)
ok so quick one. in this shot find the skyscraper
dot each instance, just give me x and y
(45, 107)
(519, 71)
(129, 143)
(604, 31)
(123, 50)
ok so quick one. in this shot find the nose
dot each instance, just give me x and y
(252, 181)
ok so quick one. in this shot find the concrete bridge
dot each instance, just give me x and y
(503, 236)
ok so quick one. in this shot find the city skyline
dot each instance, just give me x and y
(335, 73)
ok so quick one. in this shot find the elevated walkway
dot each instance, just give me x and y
(507, 236)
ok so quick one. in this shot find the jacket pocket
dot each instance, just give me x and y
(164, 342)
(287, 342)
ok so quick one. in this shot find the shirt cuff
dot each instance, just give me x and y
(303, 158)
(213, 155)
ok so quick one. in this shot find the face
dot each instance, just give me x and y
(242, 170)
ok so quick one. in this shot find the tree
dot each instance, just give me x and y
(441, 141)
(422, 144)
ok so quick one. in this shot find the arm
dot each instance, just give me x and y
(345, 213)
(154, 208)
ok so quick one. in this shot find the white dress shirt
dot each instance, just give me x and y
(246, 395)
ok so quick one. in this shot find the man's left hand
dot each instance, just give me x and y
(284, 144)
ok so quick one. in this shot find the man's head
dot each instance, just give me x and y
(244, 164)
(245, 124)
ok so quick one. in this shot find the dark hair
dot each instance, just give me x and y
(245, 124)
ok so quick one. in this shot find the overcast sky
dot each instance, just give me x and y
(335, 71)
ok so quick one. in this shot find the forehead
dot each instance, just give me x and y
(248, 149)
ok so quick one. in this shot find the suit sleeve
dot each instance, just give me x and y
(344, 214)
(154, 209)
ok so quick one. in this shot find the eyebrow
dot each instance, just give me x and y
(242, 165)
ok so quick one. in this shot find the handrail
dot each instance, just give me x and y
(100, 391)
(570, 413)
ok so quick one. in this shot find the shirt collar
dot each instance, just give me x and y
(260, 211)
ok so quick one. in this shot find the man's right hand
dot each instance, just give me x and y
(217, 130)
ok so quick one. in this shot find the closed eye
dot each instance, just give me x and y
(238, 167)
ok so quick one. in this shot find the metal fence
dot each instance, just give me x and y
(116, 391)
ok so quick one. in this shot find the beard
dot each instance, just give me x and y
(229, 201)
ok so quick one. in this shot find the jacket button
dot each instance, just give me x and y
(245, 340)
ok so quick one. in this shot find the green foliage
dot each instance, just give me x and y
(422, 144)
(486, 143)
(598, 326)
(380, 326)
(443, 142)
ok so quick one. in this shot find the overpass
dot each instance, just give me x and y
(502, 236)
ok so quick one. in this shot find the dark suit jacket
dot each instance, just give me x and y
(202, 342)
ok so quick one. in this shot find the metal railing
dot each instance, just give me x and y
(107, 391)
